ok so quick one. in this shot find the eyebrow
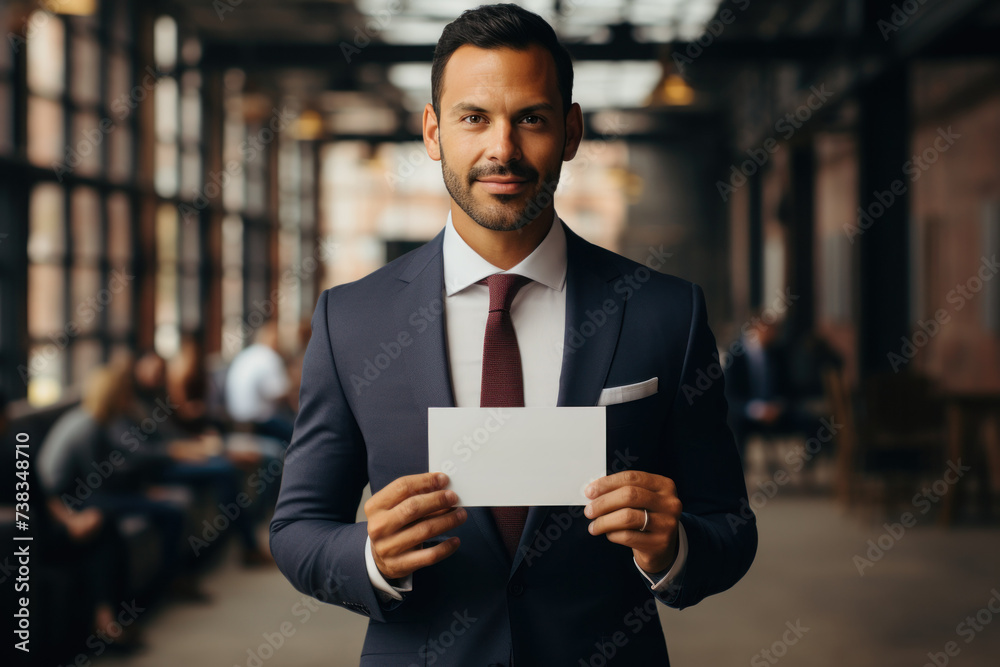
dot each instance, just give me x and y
(462, 107)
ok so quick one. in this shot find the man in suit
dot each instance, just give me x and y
(763, 396)
(506, 307)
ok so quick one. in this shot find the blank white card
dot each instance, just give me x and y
(518, 456)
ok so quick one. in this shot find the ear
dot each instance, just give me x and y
(574, 132)
(431, 130)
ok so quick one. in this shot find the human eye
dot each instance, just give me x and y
(532, 120)
(473, 119)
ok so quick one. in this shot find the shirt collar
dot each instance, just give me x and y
(463, 266)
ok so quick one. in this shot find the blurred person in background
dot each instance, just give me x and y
(82, 541)
(187, 383)
(151, 396)
(258, 385)
(761, 386)
(188, 457)
(86, 440)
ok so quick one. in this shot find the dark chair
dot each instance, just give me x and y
(893, 441)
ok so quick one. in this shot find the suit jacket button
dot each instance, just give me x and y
(515, 589)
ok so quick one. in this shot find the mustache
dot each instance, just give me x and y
(514, 169)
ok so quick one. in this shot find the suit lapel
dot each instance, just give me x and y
(588, 346)
(427, 358)
(589, 343)
(420, 303)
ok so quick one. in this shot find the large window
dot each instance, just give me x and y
(267, 271)
(138, 230)
(181, 215)
(80, 124)
(300, 260)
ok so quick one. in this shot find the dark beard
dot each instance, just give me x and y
(502, 217)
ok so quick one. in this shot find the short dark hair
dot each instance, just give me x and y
(495, 27)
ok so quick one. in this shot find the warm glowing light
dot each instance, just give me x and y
(308, 126)
(74, 7)
(676, 92)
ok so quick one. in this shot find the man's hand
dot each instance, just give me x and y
(616, 507)
(406, 513)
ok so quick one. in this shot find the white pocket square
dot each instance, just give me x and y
(628, 392)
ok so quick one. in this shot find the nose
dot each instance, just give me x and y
(504, 147)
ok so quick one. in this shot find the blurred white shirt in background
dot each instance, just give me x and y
(256, 383)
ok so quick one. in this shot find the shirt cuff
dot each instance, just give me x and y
(675, 569)
(379, 582)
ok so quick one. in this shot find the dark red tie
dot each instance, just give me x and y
(503, 384)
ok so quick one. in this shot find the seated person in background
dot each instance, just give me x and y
(80, 443)
(187, 382)
(257, 386)
(77, 538)
(759, 388)
(193, 459)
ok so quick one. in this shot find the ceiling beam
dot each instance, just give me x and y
(271, 55)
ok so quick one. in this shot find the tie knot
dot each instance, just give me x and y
(503, 289)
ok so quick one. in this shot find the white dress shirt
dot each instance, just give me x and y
(538, 313)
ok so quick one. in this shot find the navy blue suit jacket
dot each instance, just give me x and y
(378, 359)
